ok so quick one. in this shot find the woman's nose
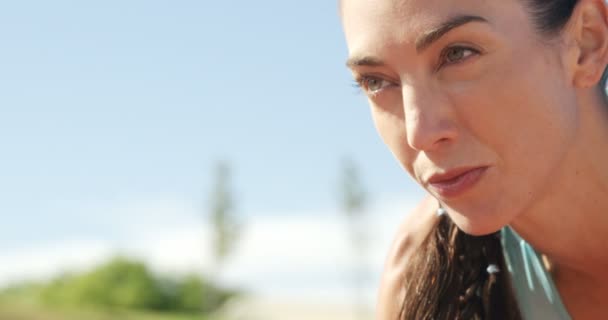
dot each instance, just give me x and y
(429, 119)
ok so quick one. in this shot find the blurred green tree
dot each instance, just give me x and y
(124, 284)
(120, 283)
(353, 200)
(225, 225)
(192, 290)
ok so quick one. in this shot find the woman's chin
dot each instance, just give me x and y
(477, 227)
(483, 217)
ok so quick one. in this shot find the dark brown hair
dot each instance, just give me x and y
(447, 277)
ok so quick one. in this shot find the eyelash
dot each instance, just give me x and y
(442, 57)
(361, 82)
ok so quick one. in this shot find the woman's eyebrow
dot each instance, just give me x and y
(429, 37)
(423, 42)
(364, 61)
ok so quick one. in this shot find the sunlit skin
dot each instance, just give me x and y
(487, 90)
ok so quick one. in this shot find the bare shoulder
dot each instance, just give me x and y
(410, 235)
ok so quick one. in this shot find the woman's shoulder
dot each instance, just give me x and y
(410, 235)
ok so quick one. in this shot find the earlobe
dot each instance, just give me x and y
(590, 29)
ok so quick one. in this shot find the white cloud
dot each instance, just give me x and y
(43, 261)
(297, 254)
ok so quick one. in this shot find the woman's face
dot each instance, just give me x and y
(469, 97)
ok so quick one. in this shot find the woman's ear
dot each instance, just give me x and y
(588, 32)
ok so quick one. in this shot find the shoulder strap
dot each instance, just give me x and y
(536, 294)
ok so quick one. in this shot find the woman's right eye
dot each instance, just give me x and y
(372, 85)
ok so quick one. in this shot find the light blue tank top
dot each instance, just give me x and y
(536, 294)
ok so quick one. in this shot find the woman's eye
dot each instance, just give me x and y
(456, 54)
(373, 85)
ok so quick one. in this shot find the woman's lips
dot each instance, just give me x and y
(455, 182)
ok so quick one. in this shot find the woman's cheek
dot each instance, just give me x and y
(392, 131)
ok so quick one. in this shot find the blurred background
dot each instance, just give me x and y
(188, 160)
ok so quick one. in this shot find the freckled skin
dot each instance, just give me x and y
(495, 108)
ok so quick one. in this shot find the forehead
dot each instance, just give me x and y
(395, 22)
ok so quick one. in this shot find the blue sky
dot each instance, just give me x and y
(104, 104)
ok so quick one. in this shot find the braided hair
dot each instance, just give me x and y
(457, 284)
